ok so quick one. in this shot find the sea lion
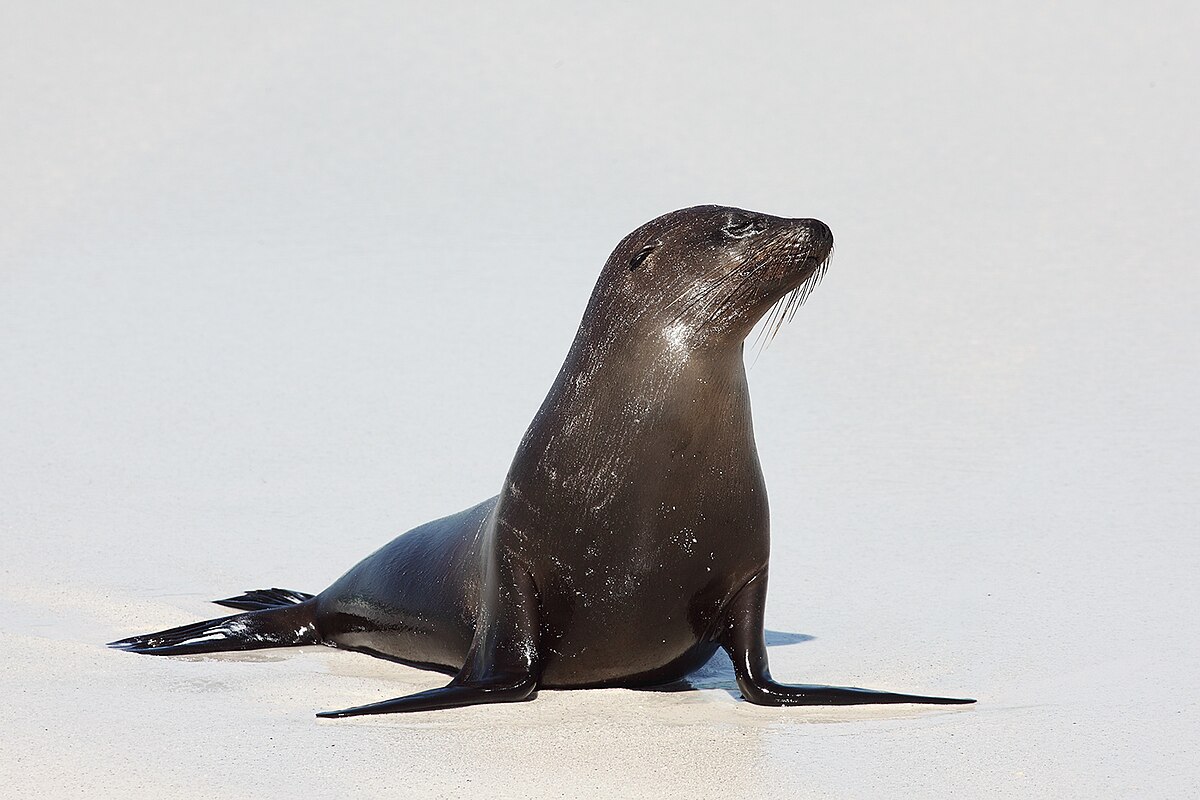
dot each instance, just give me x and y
(630, 538)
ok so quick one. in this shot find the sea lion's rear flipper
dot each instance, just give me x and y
(286, 626)
(742, 637)
(259, 599)
(502, 666)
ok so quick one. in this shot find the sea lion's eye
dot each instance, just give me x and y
(640, 256)
(739, 227)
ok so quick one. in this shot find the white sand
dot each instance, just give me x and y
(277, 283)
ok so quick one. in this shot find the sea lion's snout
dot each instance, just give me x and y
(813, 239)
(817, 229)
(783, 271)
(818, 232)
(712, 271)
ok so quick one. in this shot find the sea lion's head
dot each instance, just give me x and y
(707, 274)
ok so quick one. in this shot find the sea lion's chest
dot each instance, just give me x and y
(635, 555)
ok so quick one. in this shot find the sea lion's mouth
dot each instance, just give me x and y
(813, 267)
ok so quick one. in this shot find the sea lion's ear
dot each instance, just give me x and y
(640, 256)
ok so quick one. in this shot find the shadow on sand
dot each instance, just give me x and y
(717, 672)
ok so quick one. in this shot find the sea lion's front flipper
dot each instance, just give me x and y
(503, 664)
(742, 637)
(450, 696)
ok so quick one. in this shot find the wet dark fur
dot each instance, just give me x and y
(630, 538)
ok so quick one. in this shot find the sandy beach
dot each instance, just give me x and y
(279, 282)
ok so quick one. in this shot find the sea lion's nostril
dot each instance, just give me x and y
(818, 230)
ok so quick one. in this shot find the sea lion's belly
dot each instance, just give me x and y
(624, 658)
(626, 627)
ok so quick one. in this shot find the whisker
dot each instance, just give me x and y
(731, 288)
(761, 339)
(770, 318)
(784, 310)
(770, 325)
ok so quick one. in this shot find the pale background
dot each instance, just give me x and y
(279, 281)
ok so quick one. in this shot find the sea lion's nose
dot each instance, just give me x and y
(817, 231)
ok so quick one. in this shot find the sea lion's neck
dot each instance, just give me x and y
(638, 397)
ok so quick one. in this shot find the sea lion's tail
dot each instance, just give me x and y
(278, 618)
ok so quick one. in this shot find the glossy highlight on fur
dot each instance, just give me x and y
(630, 538)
